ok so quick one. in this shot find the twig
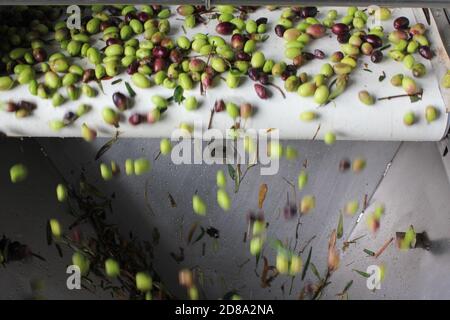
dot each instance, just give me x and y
(379, 252)
(278, 88)
(418, 95)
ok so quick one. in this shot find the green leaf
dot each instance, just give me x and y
(307, 263)
(382, 77)
(178, 95)
(370, 253)
(130, 90)
(340, 227)
(116, 81)
(315, 271)
(362, 273)
(232, 172)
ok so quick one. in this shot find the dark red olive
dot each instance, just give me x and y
(143, 16)
(69, 117)
(263, 78)
(120, 101)
(344, 165)
(156, 8)
(261, 91)
(88, 75)
(26, 105)
(39, 54)
(219, 105)
(111, 41)
(284, 75)
(104, 25)
(291, 68)
(319, 54)
(207, 80)
(225, 28)
(133, 67)
(339, 28)
(308, 55)
(279, 30)
(376, 56)
(343, 38)
(299, 60)
(238, 41)
(261, 20)
(374, 40)
(130, 16)
(253, 74)
(241, 55)
(426, 52)
(401, 23)
(175, 56)
(159, 64)
(307, 12)
(11, 107)
(135, 119)
(160, 52)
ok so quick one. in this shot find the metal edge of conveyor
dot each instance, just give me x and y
(207, 3)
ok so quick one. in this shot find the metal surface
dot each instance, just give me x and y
(415, 191)
(398, 3)
(346, 116)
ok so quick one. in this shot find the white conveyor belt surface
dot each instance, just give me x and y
(346, 116)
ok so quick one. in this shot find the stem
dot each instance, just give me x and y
(379, 252)
(279, 89)
(419, 95)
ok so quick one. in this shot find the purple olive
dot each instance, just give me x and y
(308, 56)
(111, 41)
(401, 23)
(261, 20)
(339, 29)
(159, 64)
(120, 101)
(374, 40)
(143, 16)
(307, 12)
(39, 54)
(133, 67)
(219, 105)
(130, 16)
(377, 56)
(225, 28)
(253, 74)
(343, 38)
(241, 55)
(261, 91)
(69, 117)
(263, 78)
(319, 54)
(279, 30)
(160, 52)
(104, 25)
(426, 52)
(135, 119)
(175, 56)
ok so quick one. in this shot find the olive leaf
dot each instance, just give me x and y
(362, 273)
(262, 195)
(178, 95)
(107, 146)
(307, 264)
(340, 227)
(370, 253)
(232, 172)
(130, 90)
